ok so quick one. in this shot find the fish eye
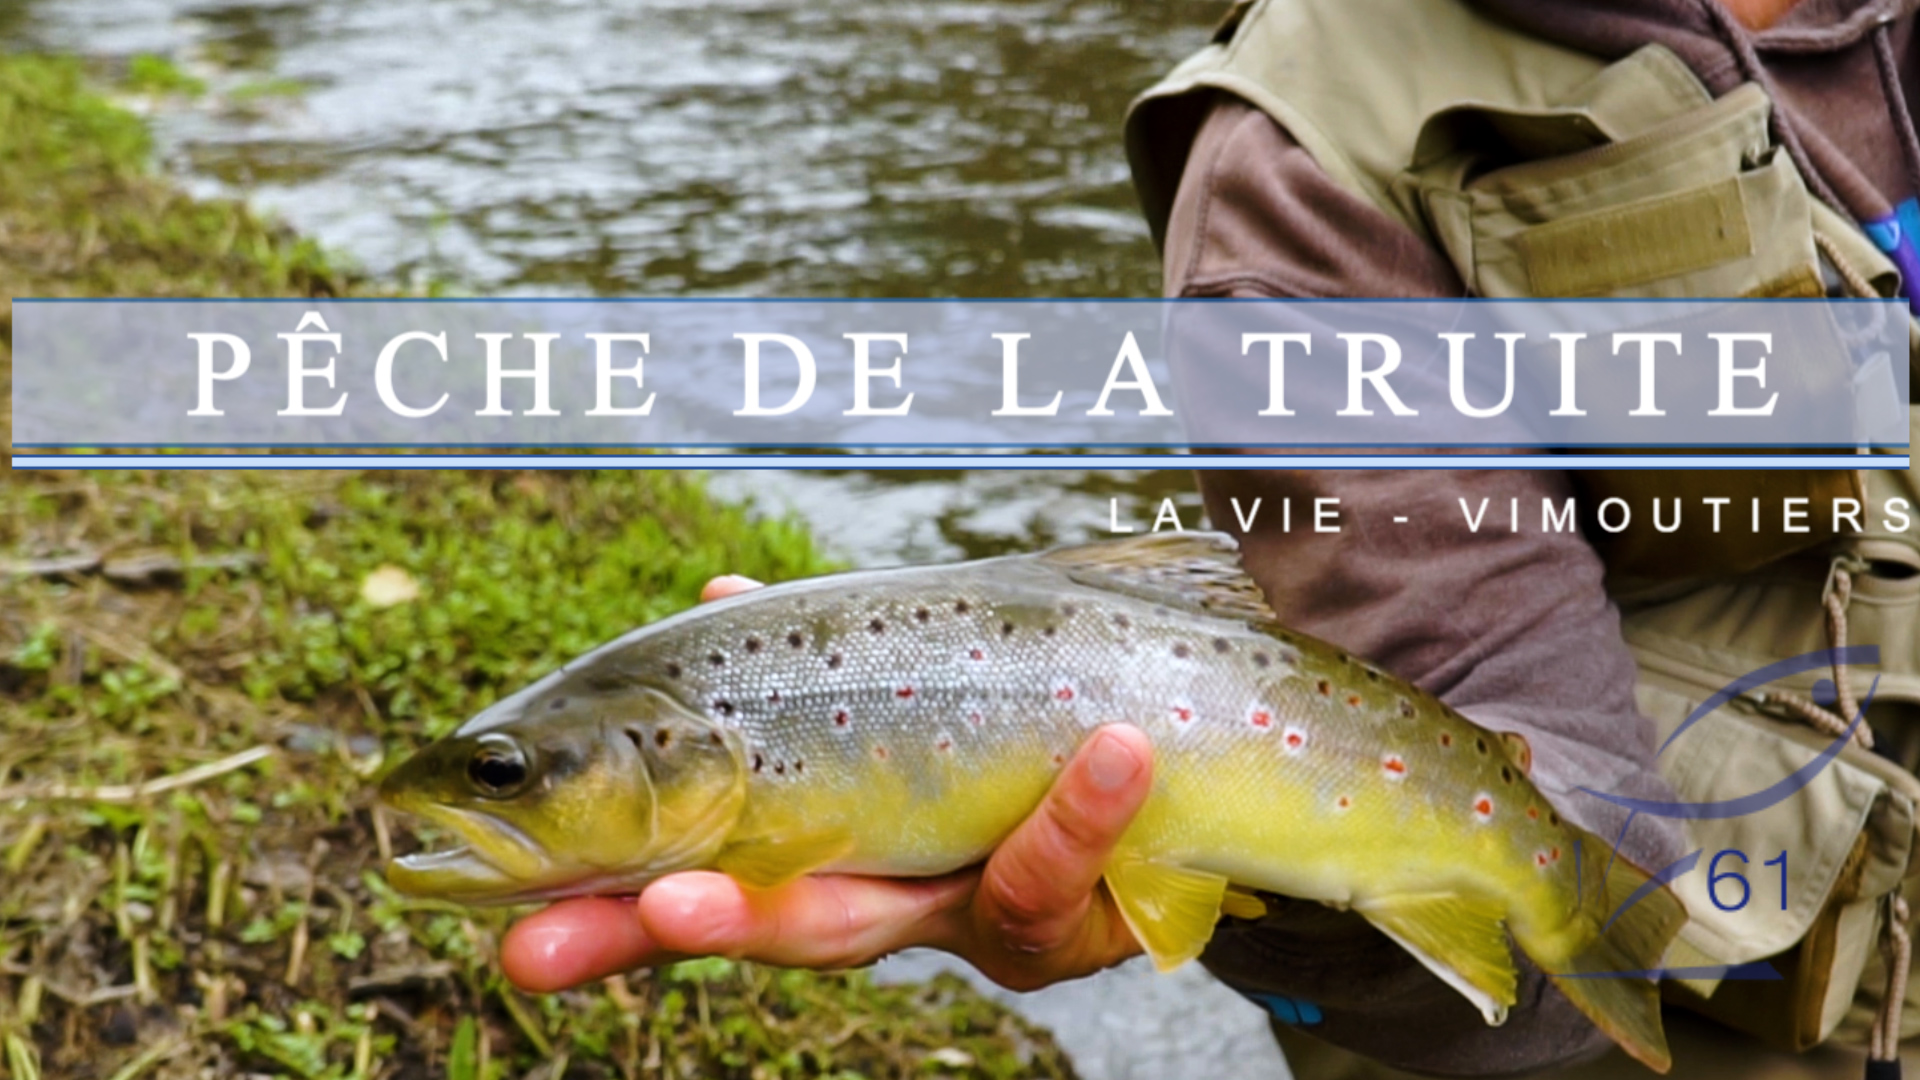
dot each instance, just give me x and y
(498, 767)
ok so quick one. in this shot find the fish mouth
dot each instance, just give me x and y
(490, 863)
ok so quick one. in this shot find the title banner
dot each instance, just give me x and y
(1811, 376)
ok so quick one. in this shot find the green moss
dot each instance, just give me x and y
(149, 74)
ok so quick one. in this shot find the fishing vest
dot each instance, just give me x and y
(1542, 171)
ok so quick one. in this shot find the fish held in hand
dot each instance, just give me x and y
(903, 722)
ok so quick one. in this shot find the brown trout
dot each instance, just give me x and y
(902, 722)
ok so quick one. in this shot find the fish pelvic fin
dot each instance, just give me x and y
(1600, 979)
(1242, 904)
(1198, 572)
(1170, 909)
(1461, 940)
(765, 862)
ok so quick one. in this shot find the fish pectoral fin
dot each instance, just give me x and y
(764, 862)
(1463, 941)
(1171, 910)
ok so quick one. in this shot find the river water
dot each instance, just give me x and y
(791, 148)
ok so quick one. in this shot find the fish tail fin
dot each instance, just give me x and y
(1613, 980)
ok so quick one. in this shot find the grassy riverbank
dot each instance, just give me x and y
(200, 673)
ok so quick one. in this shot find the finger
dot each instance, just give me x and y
(726, 585)
(576, 941)
(1038, 887)
(830, 921)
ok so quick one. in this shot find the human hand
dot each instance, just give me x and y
(1033, 915)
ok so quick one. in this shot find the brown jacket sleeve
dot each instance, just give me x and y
(1511, 626)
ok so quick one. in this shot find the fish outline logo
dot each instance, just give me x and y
(1765, 798)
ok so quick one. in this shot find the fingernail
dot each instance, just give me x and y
(736, 581)
(1111, 764)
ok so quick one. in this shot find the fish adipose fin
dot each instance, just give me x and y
(1171, 910)
(1197, 572)
(766, 862)
(1600, 981)
(1462, 941)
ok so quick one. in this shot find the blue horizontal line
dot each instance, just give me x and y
(1477, 301)
(502, 446)
(938, 461)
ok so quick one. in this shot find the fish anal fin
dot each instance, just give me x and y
(1602, 981)
(767, 862)
(1242, 904)
(1195, 571)
(1463, 941)
(1171, 910)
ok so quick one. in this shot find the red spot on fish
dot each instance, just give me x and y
(1325, 688)
(977, 718)
(944, 744)
(841, 719)
(1556, 855)
(1353, 700)
(1540, 858)
(904, 692)
(1296, 739)
(977, 654)
(1483, 807)
(1059, 759)
(1183, 714)
(880, 752)
(1533, 812)
(1065, 693)
(1446, 739)
(1344, 803)
(1395, 766)
(1261, 718)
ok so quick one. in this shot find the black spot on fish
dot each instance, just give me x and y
(1261, 659)
(753, 644)
(1325, 688)
(725, 707)
(1371, 674)
(1345, 659)
(796, 640)
(833, 661)
(1506, 775)
(1048, 631)
(960, 607)
(662, 738)
(1181, 651)
(1480, 745)
(1068, 611)
(633, 736)
(1123, 622)
(922, 614)
(799, 766)
(1221, 645)
(1006, 629)
(716, 659)
(557, 704)
(673, 671)
(774, 697)
(716, 740)
(1553, 819)
(876, 626)
(780, 767)
(758, 763)
(1407, 710)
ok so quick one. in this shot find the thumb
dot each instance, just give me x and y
(1039, 884)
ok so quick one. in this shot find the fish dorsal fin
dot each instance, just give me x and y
(766, 862)
(1463, 941)
(1171, 910)
(1198, 572)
